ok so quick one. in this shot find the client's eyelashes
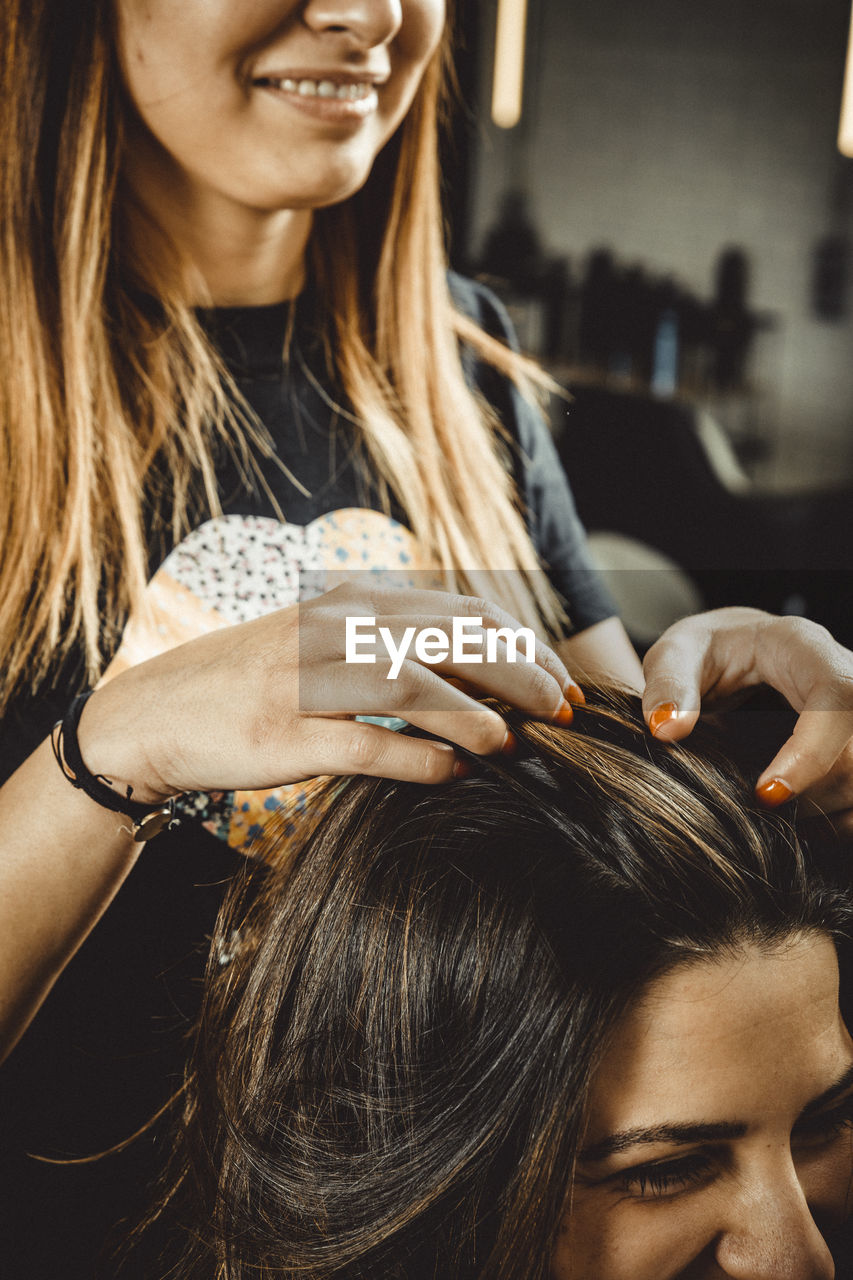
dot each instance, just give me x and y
(661, 1178)
(666, 1177)
(825, 1126)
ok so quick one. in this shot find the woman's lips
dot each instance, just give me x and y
(324, 98)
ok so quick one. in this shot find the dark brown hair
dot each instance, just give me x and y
(400, 1026)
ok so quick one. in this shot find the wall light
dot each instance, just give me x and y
(509, 63)
(845, 128)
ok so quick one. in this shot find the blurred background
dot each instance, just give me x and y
(669, 222)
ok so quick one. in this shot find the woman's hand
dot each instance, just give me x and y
(274, 701)
(714, 655)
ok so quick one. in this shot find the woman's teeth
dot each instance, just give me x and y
(322, 89)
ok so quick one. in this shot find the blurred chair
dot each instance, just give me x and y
(660, 472)
(651, 590)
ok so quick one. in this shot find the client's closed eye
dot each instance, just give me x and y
(824, 1126)
(658, 1179)
(665, 1178)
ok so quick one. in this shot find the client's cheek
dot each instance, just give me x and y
(827, 1182)
(613, 1238)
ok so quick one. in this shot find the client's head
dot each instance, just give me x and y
(576, 1016)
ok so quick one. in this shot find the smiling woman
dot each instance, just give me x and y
(693, 1106)
(578, 1017)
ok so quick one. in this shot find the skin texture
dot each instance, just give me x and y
(230, 168)
(748, 1041)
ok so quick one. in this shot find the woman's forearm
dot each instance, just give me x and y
(62, 859)
(603, 651)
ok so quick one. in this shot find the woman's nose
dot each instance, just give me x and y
(771, 1235)
(366, 22)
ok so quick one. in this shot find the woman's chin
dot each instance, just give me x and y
(324, 176)
(323, 192)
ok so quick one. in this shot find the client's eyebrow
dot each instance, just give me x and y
(682, 1134)
(685, 1134)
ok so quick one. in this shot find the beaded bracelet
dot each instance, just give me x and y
(146, 821)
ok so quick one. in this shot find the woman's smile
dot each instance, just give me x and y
(324, 95)
(266, 106)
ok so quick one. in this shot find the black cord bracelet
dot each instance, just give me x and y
(146, 820)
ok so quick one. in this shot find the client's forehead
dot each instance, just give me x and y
(736, 1039)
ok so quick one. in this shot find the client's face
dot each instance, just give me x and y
(720, 1137)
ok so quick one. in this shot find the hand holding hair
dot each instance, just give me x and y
(713, 655)
(274, 701)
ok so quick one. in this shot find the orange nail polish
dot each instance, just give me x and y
(510, 744)
(662, 715)
(574, 693)
(774, 792)
(564, 713)
(461, 768)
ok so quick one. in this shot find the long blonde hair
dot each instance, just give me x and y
(112, 409)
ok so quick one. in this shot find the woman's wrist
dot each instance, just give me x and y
(110, 738)
(146, 821)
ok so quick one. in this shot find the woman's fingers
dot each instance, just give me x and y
(505, 662)
(351, 746)
(450, 713)
(428, 611)
(428, 668)
(721, 653)
(422, 696)
(672, 695)
(707, 654)
(805, 763)
(833, 794)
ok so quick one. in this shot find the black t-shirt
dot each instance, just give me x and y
(107, 1048)
(317, 446)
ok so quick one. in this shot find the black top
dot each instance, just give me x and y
(317, 444)
(107, 1048)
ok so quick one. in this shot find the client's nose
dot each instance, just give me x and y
(771, 1235)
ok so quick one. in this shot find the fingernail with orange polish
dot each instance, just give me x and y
(662, 715)
(574, 693)
(564, 713)
(510, 744)
(774, 792)
(461, 768)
